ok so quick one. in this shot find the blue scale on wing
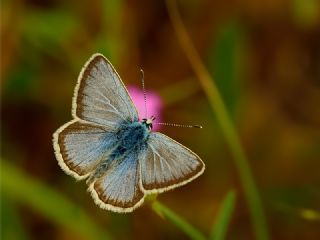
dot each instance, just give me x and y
(167, 164)
(129, 137)
(83, 146)
(118, 184)
(101, 98)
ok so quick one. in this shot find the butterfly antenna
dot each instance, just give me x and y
(144, 93)
(178, 125)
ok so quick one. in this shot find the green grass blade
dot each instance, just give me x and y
(18, 186)
(225, 62)
(223, 118)
(178, 221)
(179, 91)
(220, 226)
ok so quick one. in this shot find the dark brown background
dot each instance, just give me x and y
(265, 58)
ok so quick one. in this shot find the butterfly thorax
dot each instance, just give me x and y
(130, 136)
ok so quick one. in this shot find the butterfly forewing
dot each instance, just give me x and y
(167, 164)
(100, 95)
(100, 102)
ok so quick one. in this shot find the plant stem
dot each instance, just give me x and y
(163, 211)
(220, 227)
(228, 129)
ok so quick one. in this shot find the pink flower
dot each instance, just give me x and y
(154, 104)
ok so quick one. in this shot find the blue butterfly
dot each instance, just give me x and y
(105, 143)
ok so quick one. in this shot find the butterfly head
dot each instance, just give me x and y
(148, 122)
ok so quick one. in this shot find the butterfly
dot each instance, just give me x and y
(120, 156)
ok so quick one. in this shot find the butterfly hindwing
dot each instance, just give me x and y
(119, 188)
(100, 95)
(80, 146)
(168, 164)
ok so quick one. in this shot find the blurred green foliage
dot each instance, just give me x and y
(51, 204)
(12, 227)
(225, 62)
(265, 59)
(38, 26)
(163, 211)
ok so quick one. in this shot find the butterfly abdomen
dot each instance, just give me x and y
(130, 137)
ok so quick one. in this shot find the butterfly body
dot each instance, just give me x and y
(105, 143)
(132, 135)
